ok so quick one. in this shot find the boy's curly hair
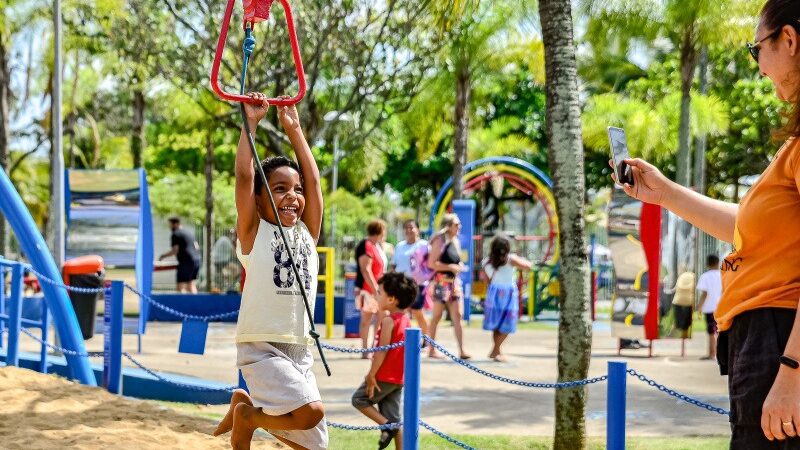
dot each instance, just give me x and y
(401, 287)
(269, 165)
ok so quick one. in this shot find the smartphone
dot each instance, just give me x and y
(619, 153)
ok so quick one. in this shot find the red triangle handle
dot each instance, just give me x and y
(298, 61)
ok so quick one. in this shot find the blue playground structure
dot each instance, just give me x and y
(56, 299)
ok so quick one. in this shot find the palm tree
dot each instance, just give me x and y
(689, 26)
(471, 30)
(565, 144)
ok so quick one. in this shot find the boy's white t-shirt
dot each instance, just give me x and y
(711, 283)
(272, 308)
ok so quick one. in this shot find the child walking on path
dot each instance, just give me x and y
(383, 385)
(272, 333)
(501, 308)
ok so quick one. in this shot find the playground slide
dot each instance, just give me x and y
(36, 250)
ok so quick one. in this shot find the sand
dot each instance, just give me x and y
(47, 412)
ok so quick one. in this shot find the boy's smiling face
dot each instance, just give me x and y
(287, 191)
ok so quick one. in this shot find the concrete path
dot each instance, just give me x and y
(457, 400)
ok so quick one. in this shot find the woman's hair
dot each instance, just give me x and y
(499, 249)
(376, 227)
(774, 15)
(271, 164)
(447, 220)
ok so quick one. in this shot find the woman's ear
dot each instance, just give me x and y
(791, 39)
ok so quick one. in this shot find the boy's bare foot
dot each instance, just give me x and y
(243, 426)
(239, 396)
(500, 358)
(435, 355)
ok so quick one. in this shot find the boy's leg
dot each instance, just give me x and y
(366, 405)
(239, 396)
(247, 418)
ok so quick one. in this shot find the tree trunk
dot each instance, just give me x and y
(684, 164)
(688, 66)
(565, 145)
(5, 80)
(209, 207)
(137, 138)
(700, 141)
(462, 129)
(700, 164)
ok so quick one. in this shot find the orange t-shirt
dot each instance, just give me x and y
(764, 269)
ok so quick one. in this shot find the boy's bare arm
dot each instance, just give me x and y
(387, 326)
(312, 214)
(246, 210)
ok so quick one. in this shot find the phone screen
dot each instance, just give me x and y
(619, 153)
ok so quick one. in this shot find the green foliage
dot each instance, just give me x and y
(747, 148)
(354, 212)
(182, 194)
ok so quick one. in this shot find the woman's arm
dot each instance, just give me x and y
(365, 266)
(715, 217)
(783, 402)
(246, 211)
(312, 214)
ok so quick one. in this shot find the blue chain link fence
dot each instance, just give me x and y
(391, 426)
(678, 395)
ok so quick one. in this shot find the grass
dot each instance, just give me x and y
(357, 440)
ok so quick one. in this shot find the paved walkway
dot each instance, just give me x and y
(457, 400)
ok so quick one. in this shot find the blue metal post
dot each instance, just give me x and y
(45, 325)
(465, 210)
(2, 300)
(112, 338)
(411, 381)
(14, 315)
(615, 406)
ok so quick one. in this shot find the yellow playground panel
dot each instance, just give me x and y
(328, 279)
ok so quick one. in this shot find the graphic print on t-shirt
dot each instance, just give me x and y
(282, 274)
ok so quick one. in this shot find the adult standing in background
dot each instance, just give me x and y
(446, 290)
(186, 250)
(710, 287)
(370, 269)
(401, 262)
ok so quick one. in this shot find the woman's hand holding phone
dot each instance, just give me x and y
(649, 184)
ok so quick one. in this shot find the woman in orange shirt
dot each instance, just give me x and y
(759, 347)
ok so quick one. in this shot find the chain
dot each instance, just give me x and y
(387, 426)
(59, 284)
(181, 315)
(61, 349)
(449, 439)
(190, 387)
(678, 395)
(562, 385)
(364, 350)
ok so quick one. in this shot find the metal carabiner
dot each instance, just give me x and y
(298, 62)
